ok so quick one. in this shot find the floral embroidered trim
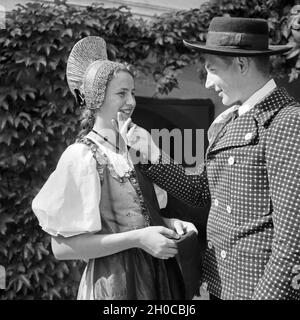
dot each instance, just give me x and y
(102, 160)
(113, 173)
(134, 182)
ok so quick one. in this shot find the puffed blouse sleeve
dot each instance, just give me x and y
(68, 203)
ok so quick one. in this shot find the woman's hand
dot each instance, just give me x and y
(180, 226)
(158, 241)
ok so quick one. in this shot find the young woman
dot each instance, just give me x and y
(96, 205)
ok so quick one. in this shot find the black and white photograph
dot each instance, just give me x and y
(149, 153)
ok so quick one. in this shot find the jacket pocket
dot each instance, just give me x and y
(249, 192)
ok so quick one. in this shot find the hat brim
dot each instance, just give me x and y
(232, 51)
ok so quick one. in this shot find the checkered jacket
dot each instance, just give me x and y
(251, 177)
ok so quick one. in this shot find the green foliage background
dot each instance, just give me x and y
(38, 117)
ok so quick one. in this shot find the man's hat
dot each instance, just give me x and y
(237, 37)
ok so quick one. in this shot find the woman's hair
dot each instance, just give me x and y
(88, 116)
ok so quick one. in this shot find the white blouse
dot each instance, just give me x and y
(68, 203)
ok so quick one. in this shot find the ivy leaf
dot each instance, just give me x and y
(4, 105)
(25, 115)
(7, 118)
(4, 220)
(68, 32)
(25, 281)
(40, 61)
(22, 159)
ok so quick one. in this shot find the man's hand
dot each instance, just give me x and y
(137, 138)
(180, 226)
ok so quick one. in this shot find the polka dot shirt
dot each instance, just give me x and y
(251, 177)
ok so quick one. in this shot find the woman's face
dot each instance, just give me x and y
(119, 97)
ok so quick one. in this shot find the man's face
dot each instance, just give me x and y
(223, 75)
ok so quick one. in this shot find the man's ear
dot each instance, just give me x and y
(79, 98)
(243, 64)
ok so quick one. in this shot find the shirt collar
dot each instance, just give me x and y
(258, 96)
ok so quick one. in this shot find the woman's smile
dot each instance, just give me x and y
(127, 110)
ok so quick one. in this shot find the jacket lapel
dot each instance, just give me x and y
(244, 130)
(240, 132)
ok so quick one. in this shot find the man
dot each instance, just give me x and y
(251, 173)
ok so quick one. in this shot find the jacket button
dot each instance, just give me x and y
(223, 254)
(231, 160)
(209, 244)
(216, 202)
(228, 208)
(248, 136)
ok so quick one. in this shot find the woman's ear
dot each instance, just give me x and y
(243, 64)
(80, 98)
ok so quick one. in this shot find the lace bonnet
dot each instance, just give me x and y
(88, 70)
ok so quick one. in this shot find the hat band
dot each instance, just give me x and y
(234, 39)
